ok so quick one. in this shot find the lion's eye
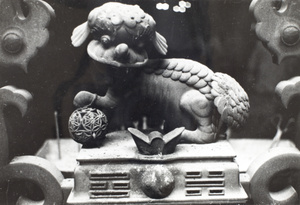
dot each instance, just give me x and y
(105, 39)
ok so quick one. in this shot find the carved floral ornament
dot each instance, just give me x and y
(278, 26)
(21, 35)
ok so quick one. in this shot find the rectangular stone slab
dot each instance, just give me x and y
(120, 146)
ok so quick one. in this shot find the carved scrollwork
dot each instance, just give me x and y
(278, 26)
(288, 90)
(28, 168)
(21, 35)
(37, 170)
(10, 95)
(274, 164)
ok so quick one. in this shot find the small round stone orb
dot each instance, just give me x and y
(12, 43)
(290, 35)
(87, 124)
(157, 182)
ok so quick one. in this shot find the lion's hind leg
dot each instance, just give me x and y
(200, 109)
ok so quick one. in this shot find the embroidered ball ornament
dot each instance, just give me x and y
(87, 124)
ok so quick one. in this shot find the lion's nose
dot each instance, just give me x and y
(121, 52)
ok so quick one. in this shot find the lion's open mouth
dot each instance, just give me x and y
(119, 56)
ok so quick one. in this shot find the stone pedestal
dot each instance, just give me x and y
(117, 173)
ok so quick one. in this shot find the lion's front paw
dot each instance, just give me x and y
(84, 99)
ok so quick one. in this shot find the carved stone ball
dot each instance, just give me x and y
(87, 124)
(157, 182)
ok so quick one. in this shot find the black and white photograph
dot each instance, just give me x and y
(182, 102)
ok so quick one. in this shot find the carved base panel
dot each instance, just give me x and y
(194, 174)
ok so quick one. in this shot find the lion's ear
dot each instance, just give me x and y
(80, 34)
(160, 43)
